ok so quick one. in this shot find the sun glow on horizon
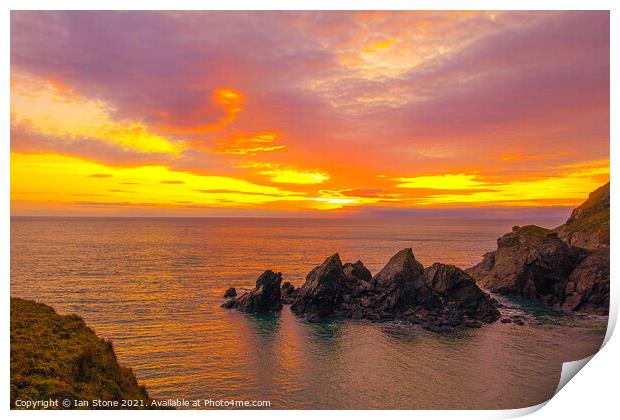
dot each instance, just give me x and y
(369, 111)
(441, 182)
(79, 182)
(572, 181)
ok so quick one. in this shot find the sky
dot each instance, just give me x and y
(307, 113)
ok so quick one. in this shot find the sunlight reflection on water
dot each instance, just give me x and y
(153, 286)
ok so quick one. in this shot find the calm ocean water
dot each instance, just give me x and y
(154, 286)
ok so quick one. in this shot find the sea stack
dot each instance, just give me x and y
(322, 292)
(265, 297)
(440, 297)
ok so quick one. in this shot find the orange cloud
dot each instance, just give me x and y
(567, 186)
(378, 46)
(331, 200)
(249, 145)
(231, 101)
(288, 175)
(527, 156)
(349, 109)
(443, 182)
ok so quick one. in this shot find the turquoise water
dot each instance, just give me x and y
(154, 286)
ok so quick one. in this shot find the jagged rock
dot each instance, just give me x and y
(288, 292)
(445, 279)
(472, 324)
(588, 224)
(264, 298)
(459, 294)
(483, 267)
(567, 267)
(587, 288)
(531, 262)
(356, 272)
(321, 293)
(230, 292)
(358, 281)
(438, 298)
(401, 283)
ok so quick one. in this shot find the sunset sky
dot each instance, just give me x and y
(295, 113)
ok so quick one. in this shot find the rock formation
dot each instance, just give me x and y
(356, 272)
(530, 262)
(459, 293)
(401, 284)
(440, 297)
(587, 288)
(231, 292)
(567, 267)
(288, 292)
(320, 294)
(265, 297)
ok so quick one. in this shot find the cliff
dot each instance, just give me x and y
(588, 225)
(566, 267)
(58, 357)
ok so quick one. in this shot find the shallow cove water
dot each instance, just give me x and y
(154, 286)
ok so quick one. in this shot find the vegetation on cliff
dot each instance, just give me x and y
(588, 224)
(58, 357)
(566, 267)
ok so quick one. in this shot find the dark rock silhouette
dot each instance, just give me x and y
(288, 292)
(230, 292)
(356, 272)
(322, 291)
(264, 298)
(587, 288)
(441, 297)
(401, 283)
(459, 293)
(530, 262)
(567, 267)
(358, 281)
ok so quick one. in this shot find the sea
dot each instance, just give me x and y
(154, 286)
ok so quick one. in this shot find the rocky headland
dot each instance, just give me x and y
(56, 358)
(566, 267)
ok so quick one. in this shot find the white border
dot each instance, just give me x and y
(593, 394)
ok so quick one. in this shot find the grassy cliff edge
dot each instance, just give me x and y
(588, 224)
(56, 357)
